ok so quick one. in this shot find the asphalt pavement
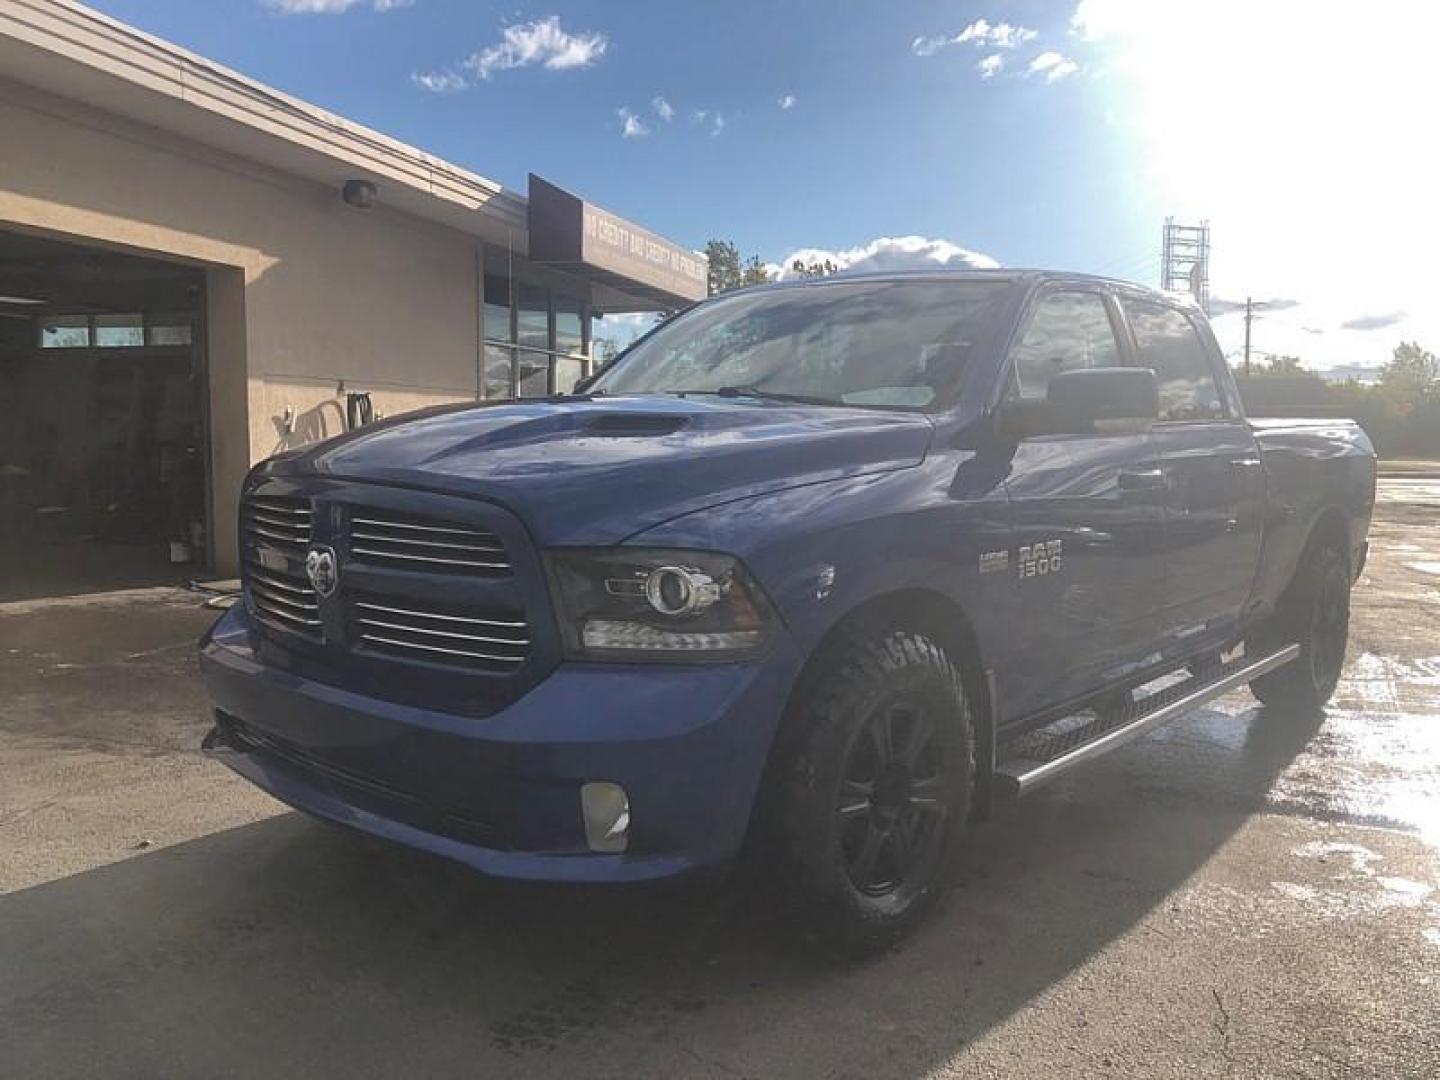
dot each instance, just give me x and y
(1243, 893)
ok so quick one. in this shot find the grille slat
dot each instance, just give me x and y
(505, 623)
(282, 600)
(515, 643)
(469, 638)
(419, 544)
(276, 582)
(408, 645)
(451, 529)
(491, 549)
(405, 556)
(278, 521)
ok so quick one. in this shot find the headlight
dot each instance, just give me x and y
(619, 604)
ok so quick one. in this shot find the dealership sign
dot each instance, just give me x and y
(578, 236)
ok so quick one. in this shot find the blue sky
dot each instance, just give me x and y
(1035, 133)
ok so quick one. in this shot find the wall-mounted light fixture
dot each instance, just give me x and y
(359, 194)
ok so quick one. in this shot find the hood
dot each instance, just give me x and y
(585, 471)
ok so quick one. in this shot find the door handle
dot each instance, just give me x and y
(1152, 479)
(1244, 463)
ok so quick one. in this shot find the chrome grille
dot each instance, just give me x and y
(279, 521)
(411, 543)
(418, 630)
(283, 600)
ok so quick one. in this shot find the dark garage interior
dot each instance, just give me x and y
(102, 419)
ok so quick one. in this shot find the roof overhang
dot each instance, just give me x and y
(629, 267)
(66, 49)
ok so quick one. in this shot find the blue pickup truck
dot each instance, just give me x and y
(815, 572)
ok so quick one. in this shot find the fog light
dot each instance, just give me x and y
(607, 816)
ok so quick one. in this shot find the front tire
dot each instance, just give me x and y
(1315, 613)
(874, 789)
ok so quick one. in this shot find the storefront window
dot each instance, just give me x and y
(535, 347)
(533, 316)
(497, 309)
(534, 375)
(498, 378)
(568, 371)
(569, 337)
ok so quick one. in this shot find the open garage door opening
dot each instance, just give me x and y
(103, 462)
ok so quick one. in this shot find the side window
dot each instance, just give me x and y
(1065, 331)
(1169, 345)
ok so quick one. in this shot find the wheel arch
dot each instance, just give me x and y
(1329, 528)
(921, 610)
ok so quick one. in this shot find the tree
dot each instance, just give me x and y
(1284, 365)
(724, 259)
(814, 268)
(1412, 373)
(755, 272)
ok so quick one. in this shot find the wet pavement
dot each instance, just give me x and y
(1243, 893)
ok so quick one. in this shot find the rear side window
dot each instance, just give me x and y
(1066, 331)
(1168, 344)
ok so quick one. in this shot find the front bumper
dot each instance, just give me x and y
(502, 794)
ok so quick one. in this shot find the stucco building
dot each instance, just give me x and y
(196, 271)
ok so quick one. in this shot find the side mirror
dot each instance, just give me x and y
(1094, 396)
(1088, 401)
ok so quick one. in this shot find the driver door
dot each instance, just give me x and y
(1087, 518)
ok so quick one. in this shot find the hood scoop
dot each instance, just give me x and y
(634, 424)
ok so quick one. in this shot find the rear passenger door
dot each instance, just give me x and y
(1215, 486)
(1087, 514)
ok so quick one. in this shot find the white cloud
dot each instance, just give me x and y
(439, 82)
(663, 108)
(1003, 34)
(787, 101)
(991, 66)
(980, 32)
(711, 118)
(542, 42)
(890, 253)
(631, 126)
(332, 7)
(1052, 65)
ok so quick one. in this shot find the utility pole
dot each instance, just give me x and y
(1249, 314)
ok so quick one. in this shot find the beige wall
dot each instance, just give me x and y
(305, 292)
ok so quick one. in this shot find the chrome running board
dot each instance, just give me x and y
(1037, 757)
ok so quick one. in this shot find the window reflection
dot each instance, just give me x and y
(532, 317)
(497, 309)
(1169, 344)
(1067, 331)
(534, 339)
(498, 378)
(569, 336)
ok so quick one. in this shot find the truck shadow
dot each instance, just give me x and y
(287, 947)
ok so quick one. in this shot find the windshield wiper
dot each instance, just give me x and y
(763, 395)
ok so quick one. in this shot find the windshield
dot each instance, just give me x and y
(896, 344)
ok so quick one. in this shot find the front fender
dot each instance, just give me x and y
(824, 550)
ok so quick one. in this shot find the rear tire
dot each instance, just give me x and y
(1315, 613)
(873, 789)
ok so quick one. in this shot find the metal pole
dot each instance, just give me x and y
(1249, 313)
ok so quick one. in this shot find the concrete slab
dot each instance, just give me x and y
(1243, 893)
